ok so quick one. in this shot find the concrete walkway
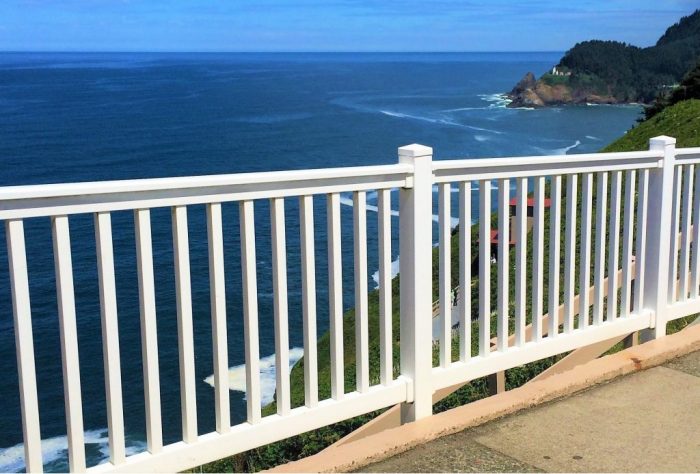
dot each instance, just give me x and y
(645, 422)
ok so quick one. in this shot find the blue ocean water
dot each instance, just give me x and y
(85, 117)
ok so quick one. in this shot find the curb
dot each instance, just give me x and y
(360, 453)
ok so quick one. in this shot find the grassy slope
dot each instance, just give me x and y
(681, 121)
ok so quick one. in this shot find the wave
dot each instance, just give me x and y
(481, 138)
(268, 371)
(55, 451)
(440, 121)
(346, 201)
(591, 137)
(498, 101)
(558, 151)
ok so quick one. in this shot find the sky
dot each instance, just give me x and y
(330, 25)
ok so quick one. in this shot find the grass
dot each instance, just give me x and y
(681, 121)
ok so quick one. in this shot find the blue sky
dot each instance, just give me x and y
(330, 25)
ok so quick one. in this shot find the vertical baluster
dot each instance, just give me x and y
(585, 257)
(24, 343)
(627, 242)
(110, 337)
(445, 280)
(675, 237)
(361, 310)
(695, 260)
(218, 317)
(641, 238)
(538, 259)
(570, 253)
(250, 310)
(614, 248)
(185, 337)
(554, 254)
(599, 271)
(685, 245)
(503, 262)
(386, 359)
(520, 261)
(484, 268)
(308, 278)
(69, 342)
(335, 297)
(279, 285)
(465, 270)
(149, 335)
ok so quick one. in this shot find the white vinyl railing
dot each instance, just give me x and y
(634, 214)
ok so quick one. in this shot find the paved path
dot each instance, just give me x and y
(645, 422)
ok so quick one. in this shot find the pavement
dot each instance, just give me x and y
(648, 421)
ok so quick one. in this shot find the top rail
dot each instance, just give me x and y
(18, 202)
(688, 156)
(529, 166)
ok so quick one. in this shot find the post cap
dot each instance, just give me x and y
(663, 140)
(415, 150)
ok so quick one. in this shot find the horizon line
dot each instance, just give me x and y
(269, 52)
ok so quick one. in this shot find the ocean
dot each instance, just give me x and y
(85, 117)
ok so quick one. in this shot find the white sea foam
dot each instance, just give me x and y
(591, 137)
(481, 138)
(346, 201)
(394, 272)
(268, 370)
(442, 121)
(55, 450)
(498, 101)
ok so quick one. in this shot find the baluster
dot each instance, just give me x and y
(218, 317)
(335, 296)
(585, 257)
(685, 245)
(675, 230)
(538, 260)
(554, 254)
(520, 261)
(250, 310)
(614, 248)
(445, 279)
(503, 262)
(695, 260)
(149, 334)
(570, 253)
(110, 337)
(24, 343)
(627, 243)
(484, 268)
(386, 359)
(69, 342)
(599, 271)
(641, 239)
(465, 270)
(188, 392)
(308, 277)
(279, 284)
(361, 310)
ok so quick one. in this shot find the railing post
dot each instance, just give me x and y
(658, 231)
(415, 266)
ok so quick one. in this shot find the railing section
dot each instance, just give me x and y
(553, 254)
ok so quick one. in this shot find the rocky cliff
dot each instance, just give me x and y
(530, 92)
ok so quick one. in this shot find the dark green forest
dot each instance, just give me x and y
(633, 74)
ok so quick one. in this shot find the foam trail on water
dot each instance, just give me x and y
(346, 201)
(268, 370)
(54, 451)
(394, 272)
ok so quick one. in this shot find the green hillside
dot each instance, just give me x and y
(681, 121)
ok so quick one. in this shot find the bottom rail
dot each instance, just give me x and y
(214, 446)
(476, 367)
